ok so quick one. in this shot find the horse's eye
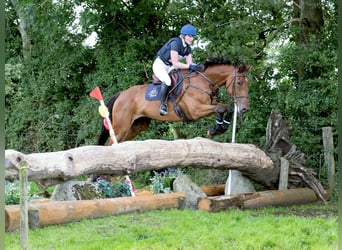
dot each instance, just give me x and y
(239, 83)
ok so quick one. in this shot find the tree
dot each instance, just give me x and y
(310, 23)
(307, 76)
(50, 78)
(24, 26)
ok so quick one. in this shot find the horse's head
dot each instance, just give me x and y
(237, 87)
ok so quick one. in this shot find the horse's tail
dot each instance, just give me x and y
(104, 132)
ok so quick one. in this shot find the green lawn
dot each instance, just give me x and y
(297, 227)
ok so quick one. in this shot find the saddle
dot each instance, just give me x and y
(174, 75)
(153, 89)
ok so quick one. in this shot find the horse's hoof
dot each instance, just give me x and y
(217, 130)
(211, 132)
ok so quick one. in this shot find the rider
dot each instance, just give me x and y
(170, 56)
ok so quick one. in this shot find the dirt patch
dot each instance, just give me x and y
(329, 210)
(310, 213)
(315, 210)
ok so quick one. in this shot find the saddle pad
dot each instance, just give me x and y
(153, 89)
(152, 92)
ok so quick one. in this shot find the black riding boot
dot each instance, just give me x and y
(163, 93)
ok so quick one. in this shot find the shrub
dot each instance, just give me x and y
(118, 188)
(12, 192)
(162, 182)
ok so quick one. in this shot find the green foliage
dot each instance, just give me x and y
(207, 176)
(309, 103)
(142, 180)
(163, 182)
(12, 192)
(118, 188)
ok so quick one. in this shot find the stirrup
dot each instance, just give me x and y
(163, 109)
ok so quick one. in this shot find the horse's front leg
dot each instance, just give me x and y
(221, 122)
(228, 117)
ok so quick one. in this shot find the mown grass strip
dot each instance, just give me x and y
(271, 228)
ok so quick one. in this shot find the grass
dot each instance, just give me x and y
(296, 227)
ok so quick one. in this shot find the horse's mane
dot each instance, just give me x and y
(216, 60)
(221, 60)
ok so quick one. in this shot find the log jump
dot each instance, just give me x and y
(130, 157)
(138, 156)
(261, 166)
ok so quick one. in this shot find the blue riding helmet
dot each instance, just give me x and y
(188, 30)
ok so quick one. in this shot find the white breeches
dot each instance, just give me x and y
(161, 70)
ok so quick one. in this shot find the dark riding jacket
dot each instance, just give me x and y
(173, 44)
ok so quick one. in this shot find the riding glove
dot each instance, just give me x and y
(193, 67)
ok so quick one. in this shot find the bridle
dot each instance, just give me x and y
(233, 83)
(214, 87)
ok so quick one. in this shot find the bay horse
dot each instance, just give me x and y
(131, 113)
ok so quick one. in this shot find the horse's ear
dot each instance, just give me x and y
(248, 68)
(243, 68)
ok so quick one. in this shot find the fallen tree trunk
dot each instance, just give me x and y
(258, 199)
(60, 212)
(139, 156)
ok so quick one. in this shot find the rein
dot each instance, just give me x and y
(212, 85)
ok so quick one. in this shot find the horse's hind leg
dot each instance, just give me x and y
(139, 125)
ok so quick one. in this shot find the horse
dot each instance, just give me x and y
(131, 113)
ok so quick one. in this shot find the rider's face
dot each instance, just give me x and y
(188, 39)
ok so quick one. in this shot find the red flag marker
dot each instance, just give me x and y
(96, 93)
(103, 110)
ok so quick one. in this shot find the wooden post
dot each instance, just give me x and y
(284, 173)
(23, 205)
(328, 144)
